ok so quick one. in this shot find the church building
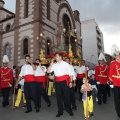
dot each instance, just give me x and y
(47, 24)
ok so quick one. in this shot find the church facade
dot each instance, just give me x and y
(33, 27)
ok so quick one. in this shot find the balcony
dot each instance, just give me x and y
(98, 30)
(99, 44)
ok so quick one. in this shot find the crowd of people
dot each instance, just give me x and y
(34, 80)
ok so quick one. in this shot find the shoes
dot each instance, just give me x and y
(59, 114)
(96, 99)
(28, 111)
(24, 106)
(91, 114)
(5, 105)
(49, 104)
(85, 118)
(15, 107)
(38, 109)
(105, 102)
(71, 114)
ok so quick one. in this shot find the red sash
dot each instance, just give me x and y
(41, 79)
(62, 78)
(29, 78)
(81, 75)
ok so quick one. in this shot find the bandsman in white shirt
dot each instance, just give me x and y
(71, 88)
(27, 71)
(40, 79)
(62, 73)
(81, 73)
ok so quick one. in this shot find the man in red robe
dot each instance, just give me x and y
(114, 77)
(6, 78)
(101, 74)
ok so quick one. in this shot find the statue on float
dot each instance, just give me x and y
(60, 36)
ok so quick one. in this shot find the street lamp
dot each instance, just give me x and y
(39, 39)
(51, 44)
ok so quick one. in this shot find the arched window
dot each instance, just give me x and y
(48, 47)
(26, 9)
(25, 46)
(66, 20)
(7, 50)
(48, 9)
(7, 28)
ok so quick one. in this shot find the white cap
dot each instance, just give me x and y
(5, 59)
(115, 51)
(102, 57)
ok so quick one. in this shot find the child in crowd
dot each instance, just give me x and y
(51, 87)
(93, 82)
(20, 94)
(86, 89)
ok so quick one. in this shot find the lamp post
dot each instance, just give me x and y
(70, 33)
(51, 44)
(40, 38)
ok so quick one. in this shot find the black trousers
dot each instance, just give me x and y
(102, 93)
(6, 94)
(62, 94)
(29, 90)
(72, 97)
(45, 96)
(117, 99)
(76, 86)
(40, 91)
(108, 90)
(79, 83)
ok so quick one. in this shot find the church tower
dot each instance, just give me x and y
(2, 3)
(27, 24)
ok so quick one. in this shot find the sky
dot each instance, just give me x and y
(105, 12)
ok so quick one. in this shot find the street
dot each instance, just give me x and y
(103, 112)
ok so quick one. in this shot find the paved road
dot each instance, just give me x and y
(103, 112)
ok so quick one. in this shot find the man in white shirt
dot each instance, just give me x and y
(40, 79)
(62, 73)
(81, 73)
(71, 88)
(27, 71)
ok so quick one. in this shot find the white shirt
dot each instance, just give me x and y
(39, 71)
(14, 73)
(73, 72)
(26, 70)
(61, 69)
(91, 72)
(80, 70)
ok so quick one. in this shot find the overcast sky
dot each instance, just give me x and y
(106, 13)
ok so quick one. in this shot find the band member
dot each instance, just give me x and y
(6, 79)
(114, 76)
(40, 79)
(62, 72)
(101, 74)
(71, 88)
(81, 72)
(27, 71)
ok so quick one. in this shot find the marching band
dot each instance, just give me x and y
(33, 81)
